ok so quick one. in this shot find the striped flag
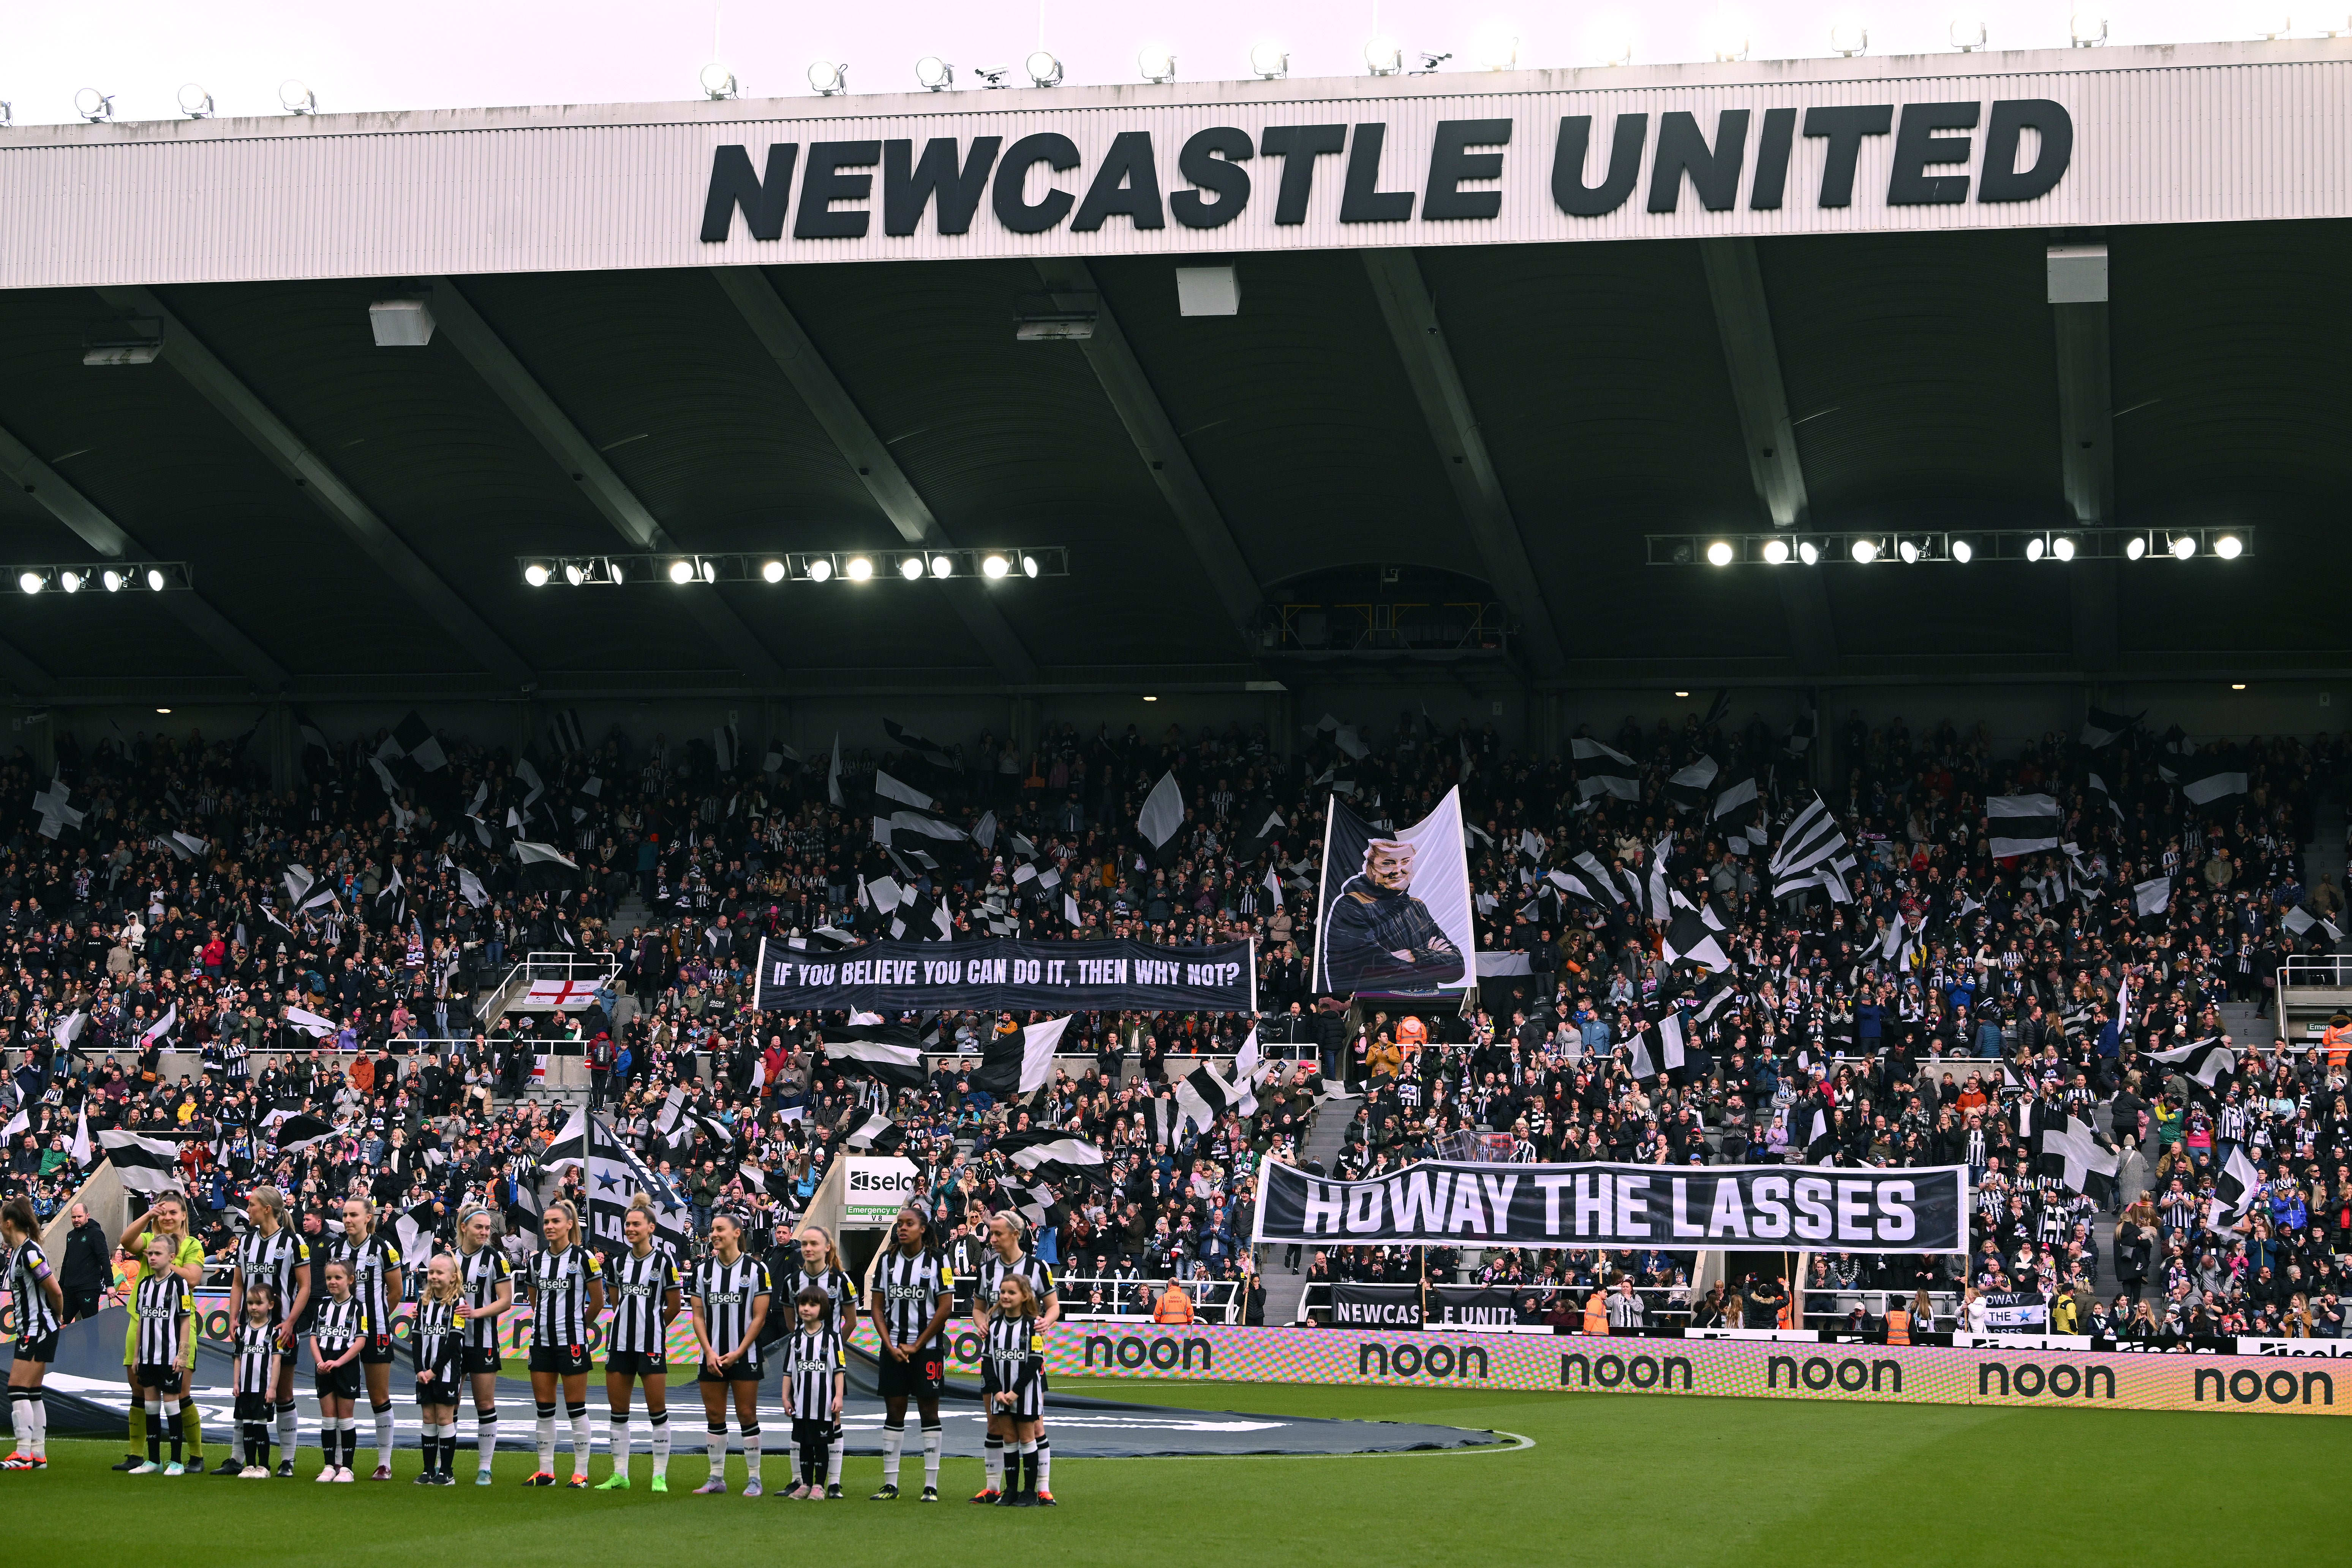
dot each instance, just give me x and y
(1603, 769)
(2021, 824)
(147, 1166)
(1808, 850)
(2234, 1195)
(2102, 728)
(1687, 787)
(887, 1053)
(2208, 1061)
(1021, 1062)
(2208, 779)
(877, 1134)
(1739, 790)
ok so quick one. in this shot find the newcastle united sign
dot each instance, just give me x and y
(1022, 976)
(1691, 1206)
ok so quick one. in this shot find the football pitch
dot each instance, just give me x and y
(1608, 1479)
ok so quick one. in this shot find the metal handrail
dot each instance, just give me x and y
(2332, 970)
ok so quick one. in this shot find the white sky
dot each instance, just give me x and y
(435, 54)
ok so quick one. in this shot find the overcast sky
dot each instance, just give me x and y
(435, 54)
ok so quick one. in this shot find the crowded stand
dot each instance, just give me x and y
(196, 958)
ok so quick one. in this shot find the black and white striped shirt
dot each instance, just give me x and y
(994, 1271)
(273, 1260)
(811, 1361)
(1011, 1359)
(27, 1268)
(162, 1304)
(440, 1338)
(371, 1262)
(840, 1294)
(257, 1358)
(639, 1287)
(337, 1325)
(909, 1289)
(482, 1271)
(559, 1294)
(729, 1293)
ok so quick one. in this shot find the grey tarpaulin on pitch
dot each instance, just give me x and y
(1701, 1206)
(1043, 976)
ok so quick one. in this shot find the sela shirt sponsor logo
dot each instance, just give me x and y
(1937, 154)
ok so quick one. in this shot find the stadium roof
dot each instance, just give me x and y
(1497, 426)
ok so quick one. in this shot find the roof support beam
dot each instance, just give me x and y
(2088, 468)
(1743, 320)
(1410, 312)
(796, 354)
(529, 402)
(1071, 284)
(237, 403)
(102, 533)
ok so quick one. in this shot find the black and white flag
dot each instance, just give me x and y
(1203, 1096)
(149, 1165)
(2234, 1194)
(2075, 1154)
(2021, 824)
(930, 750)
(726, 748)
(565, 732)
(1739, 790)
(2299, 919)
(2098, 797)
(413, 739)
(1021, 1062)
(877, 1134)
(1687, 787)
(1055, 1154)
(2208, 1061)
(2210, 779)
(1808, 851)
(1690, 937)
(887, 1053)
(1659, 1047)
(2103, 728)
(1164, 811)
(1603, 769)
(2152, 896)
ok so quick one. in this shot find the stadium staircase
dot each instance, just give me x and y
(1286, 1287)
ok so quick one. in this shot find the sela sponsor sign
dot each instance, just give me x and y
(875, 1187)
(1920, 1210)
(1402, 175)
(1042, 976)
(1924, 1374)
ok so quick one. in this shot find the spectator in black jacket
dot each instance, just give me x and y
(88, 1267)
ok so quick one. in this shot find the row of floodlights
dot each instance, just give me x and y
(1958, 549)
(822, 566)
(114, 577)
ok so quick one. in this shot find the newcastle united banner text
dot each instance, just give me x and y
(1623, 1205)
(1046, 977)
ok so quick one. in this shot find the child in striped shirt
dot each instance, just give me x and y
(815, 1378)
(257, 1377)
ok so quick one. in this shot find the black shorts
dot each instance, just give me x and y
(41, 1351)
(255, 1408)
(921, 1375)
(163, 1379)
(342, 1383)
(637, 1363)
(440, 1391)
(734, 1372)
(483, 1361)
(376, 1350)
(564, 1361)
(809, 1433)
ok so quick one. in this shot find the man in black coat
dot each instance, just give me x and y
(88, 1267)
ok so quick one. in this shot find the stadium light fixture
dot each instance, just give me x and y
(195, 103)
(1776, 553)
(7, 114)
(1727, 38)
(911, 568)
(1612, 41)
(2228, 547)
(1962, 552)
(1154, 62)
(860, 569)
(681, 572)
(1045, 68)
(2034, 547)
(828, 78)
(934, 74)
(1863, 551)
(155, 580)
(2272, 24)
(2237, 686)
(1495, 48)
(1849, 35)
(70, 581)
(1967, 33)
(773, 571)
(112, 580)
(297, 99)
(1719, 554)
(1808, 552)
(718, 82)
(572, 574)
(1909, 550)
(536, 573)
(2134, 547)
(1269, 61)
(1383, 56)
(942, 566)
(2086, 30)
(2062, 549)
(2184, 546)
(94, 106)
(31, 582)
(1028, 565)
(994, 565)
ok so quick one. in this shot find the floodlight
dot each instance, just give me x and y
(93, 105)
(1808, 552)
(828, 78)
(2227, 547)
(934, 73)
(1043, 68)
(860, 569)
(681, 571)
(911, 568)
(819, 570)
(1269, 59)
(1849, 35)
(2086, 29)
(1029, 566)
(296, 98)
(195, 103)
(1963, 552)
(31, 582)
(1383, 56)
(2184, 547)
(1495, 48)
(1967, 33)
(2134, 547)
(1776, 553)
(2061, 548)
(1612, 40)
(154, 581)
(1864, 551)
(1154, 62)
(718, 82)
(995, 565)
(572, 574)
(942, 565)
(1719, 554)
(536, 574)
(1727, 38)
(2034, 549)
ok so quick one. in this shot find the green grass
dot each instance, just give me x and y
(1614, 1480)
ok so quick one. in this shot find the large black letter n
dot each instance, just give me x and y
(733, 184)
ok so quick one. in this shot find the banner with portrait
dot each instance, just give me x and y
(1393, 911)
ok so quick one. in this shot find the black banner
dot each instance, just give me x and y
(1694, 1207)
(1361, 1306)
(1047, 976)
(1355, 1305)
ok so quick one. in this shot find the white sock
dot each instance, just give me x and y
(584, 1441)
(40, 1412)
(546, 1439)
(751, 1450)
(485, 1435)
(620, 1439)
(715, 1444)
(892, 1437)
(289, 1431)
(931, 1458)
(20, 1421)
(832, 1461)
(992, 1458)
(1044, 1463)
(661, 1443)
(384, 1435)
